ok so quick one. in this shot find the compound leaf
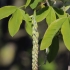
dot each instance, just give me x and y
(6, 11)
(65, 30)
(50, 32)
(41, 15)
(27, 19)
(53, 49)
(15, 22)
(51, 16)
(27, 3)
(34, 4)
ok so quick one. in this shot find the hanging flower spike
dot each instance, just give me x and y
(35, 36)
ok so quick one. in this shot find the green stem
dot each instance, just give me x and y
(47, 3)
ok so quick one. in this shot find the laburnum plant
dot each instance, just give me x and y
(57, 19)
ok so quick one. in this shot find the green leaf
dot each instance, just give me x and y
(69, 18)
(60, 13)
(34, 4)
(29, 28)
(41, 15)
(27, 19)
(51, 32)
(66, 8)
(65, 30)
(48, 66)
(53, 49)
(51, 16)
(15, 22)
(27, 3)
(6, 11)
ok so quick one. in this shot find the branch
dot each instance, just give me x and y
(47, 3)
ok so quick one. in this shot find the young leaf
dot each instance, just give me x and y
(27, 19)
(51, 16)
(6, 11)
(41, 15)
(15, 22)
(65, 30)
(27, 3)
(51, 31)
(53, 49)
(34, 4)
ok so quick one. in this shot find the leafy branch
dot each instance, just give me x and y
(56, 19)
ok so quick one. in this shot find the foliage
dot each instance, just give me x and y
(57, 19)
